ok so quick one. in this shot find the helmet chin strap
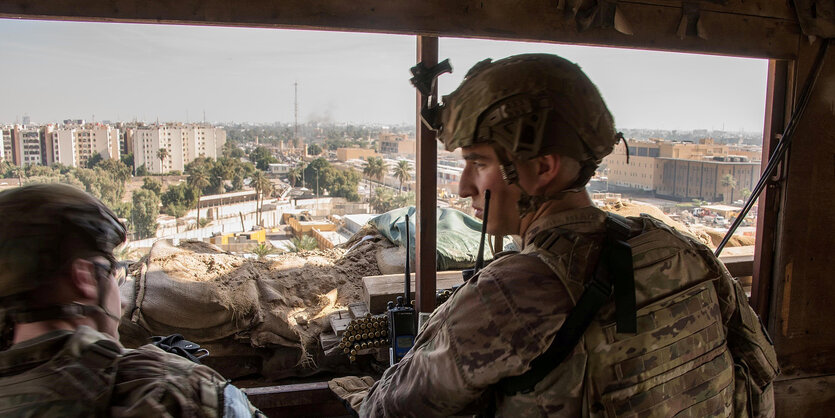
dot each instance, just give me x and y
(69, 311)
(529, 204)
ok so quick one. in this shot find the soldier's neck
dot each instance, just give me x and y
(28, 331)
(570, 201)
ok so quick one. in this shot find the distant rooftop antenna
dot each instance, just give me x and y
(296, 117)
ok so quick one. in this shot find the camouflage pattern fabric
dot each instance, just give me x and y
(679, 363)
(83, 373)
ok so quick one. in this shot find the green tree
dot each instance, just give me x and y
(305, 243)
(116, 168)
(729, 182)
(17, 172)
(317, 167)
(153, 184)
(262, 157)
(177, 211)
(237, 153)
(198, 180)
(374, 168)
(94, 159)
(263, 187)
(294, 175)
(162, 155)
(402, 172)
(385, 200)
(127, 159)
(142, 170)
(178, 195)
(314, 149)
(343, 183)
(745, 194)
(145, 212)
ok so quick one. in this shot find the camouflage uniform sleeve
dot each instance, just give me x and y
(491, 328)
(151, 382)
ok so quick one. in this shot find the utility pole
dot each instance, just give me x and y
(296, 117)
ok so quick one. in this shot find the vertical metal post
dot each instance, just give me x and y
(776, 114)
(426, 199)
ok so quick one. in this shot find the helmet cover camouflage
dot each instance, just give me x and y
(35, 221)
(531, 105)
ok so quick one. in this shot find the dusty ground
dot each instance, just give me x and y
(707, 236)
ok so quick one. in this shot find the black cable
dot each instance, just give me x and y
(782, 146)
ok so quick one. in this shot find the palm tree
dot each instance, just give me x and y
(374, 168)
(305, 243)
(198, 180)
(263, 186)
(295, 175)
(402, 172)
(162, 154)
(262, 250)
(18, 172)
(729, 182)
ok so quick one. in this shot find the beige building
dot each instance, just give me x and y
(345, 154)
(11, 149)
(397, 145)
(31, 146)
(660, 166)
(706, 179)
(75, 145)
(184, 144)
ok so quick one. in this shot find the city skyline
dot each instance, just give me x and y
(122, 72)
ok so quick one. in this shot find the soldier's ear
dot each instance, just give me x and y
(82, 278)
(547, 171)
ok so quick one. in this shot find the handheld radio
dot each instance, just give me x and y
(479, 260)
(402, 318)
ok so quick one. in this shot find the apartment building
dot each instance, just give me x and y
(8, 134)
(32, 150)
(74, 145)
(399, 145)
(183, 143)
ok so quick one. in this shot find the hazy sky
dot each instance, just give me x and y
(68, 70)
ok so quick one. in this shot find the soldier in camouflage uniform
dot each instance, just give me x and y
(60, 309)
(533, 128)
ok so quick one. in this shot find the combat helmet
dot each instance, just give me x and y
(35, 222)
(530, 105)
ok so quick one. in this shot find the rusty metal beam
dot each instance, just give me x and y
(758, 28)
(426, 199)
(776, 115)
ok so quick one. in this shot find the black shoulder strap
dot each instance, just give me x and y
(614, 270)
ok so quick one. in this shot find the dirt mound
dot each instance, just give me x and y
(203, 293)
(627, 208)
(735, 241)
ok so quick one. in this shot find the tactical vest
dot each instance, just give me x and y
(77, 381)
(681, 361)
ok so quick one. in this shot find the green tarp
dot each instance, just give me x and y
(458, 236)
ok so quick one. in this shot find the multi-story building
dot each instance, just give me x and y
(8, 134)
(183, 144)
(64, 147)
(75, 145)
(712, 179)
(399, 145)
(345, 154)
(683, 171)
(32, 150)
